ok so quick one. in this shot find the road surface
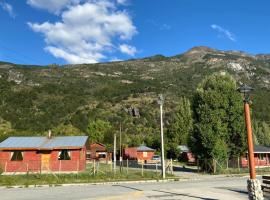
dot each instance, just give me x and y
(211, 188)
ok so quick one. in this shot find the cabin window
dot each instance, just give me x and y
(64, 155)
(101, 155)
(16, 156)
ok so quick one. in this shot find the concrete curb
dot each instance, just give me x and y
(181, 179)
(97, 183)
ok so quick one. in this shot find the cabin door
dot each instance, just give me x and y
(45, 161)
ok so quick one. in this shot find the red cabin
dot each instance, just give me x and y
(261, 157)
(43, 154)
(186, 155)
(141, 153)
(98, 151)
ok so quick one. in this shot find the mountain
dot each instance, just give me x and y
(38, 98)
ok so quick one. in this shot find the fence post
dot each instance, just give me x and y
(27, 168)
(6, 166)
(111, 165)
(198, 166)
(156, 168)
(238, 163)
(78, 166)
(214, 166)
(127, 166)
(94, 167)
(142, 168)
(60, 166)
(171, 166)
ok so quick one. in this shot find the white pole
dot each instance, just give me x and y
(160, 102)
(162, 142)
(114, 154)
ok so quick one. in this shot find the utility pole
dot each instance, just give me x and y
(120, 147)
(161, 102)
(114, 154)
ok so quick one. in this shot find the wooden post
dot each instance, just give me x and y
(111, 165)
(114, 154)
(214, 166)
(6, 166)
(238, 163)
(94, 167)
(171, 166)
(198, 165)
(142, 168)
(60, 166)
(127, 166)
(250, 142)
(77, 166)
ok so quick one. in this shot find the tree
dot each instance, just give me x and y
(100, 131)
(66, 130)
(179, 127)
(219, 130)
(262, 132)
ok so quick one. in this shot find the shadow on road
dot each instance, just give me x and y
(170, 194)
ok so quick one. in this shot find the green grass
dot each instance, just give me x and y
(104, 174)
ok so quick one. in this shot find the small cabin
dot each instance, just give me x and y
(186, 155)
(98, 152)
(43, 154)
(141, 153)
(261, 157)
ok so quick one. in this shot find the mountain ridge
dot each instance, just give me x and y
(38, 98)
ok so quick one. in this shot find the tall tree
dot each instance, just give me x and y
(179, 127)
(219, 130)
(262, 132)
(100, 131)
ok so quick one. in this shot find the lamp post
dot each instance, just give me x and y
(254, 186)
(161, 102)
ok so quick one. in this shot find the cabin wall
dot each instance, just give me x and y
(33, 161)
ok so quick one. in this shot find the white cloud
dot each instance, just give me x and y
(8, 8)
(160, 26)
(224, 32)
(122, 2)
(53, 6)
(127, 49)
(86, 32)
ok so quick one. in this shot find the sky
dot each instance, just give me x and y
(89, 31)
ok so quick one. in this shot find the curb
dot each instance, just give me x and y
(97, 183)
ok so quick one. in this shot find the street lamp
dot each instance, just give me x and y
(254, 186)
(160, 101)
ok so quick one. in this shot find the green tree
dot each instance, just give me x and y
(100, 131)
(262, 133)
(219, 130)
(180, 124)
(179, 128)
(66, 130)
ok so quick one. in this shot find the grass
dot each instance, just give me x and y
(104, 174)
(259, 171)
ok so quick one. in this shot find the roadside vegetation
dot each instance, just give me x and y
(104, 174)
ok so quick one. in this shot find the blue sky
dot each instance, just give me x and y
(87, 31)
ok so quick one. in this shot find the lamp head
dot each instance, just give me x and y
(245, 89)
(160, 99)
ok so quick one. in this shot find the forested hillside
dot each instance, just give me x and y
(75, 99)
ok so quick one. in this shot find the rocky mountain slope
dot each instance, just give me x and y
(37, 98)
